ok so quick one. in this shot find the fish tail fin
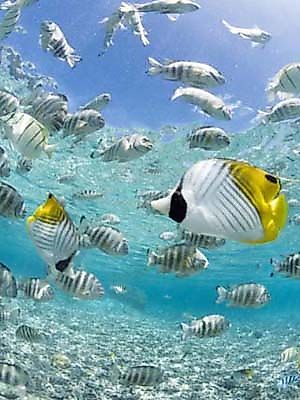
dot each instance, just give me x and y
(231, 28)
(178, 92)
(222, 294)
(49, 149)
(185, 330)
(152, 257)
(155, 67)
(73, 59)
(276, 266)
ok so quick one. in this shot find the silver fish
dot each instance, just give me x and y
(285, 83)
(191, 73)
(53, 40)
(289, 267)
(8, 284)
(4, 164)
(143, 375)
(282, 111)
(9, 22)
(82, 123)
(98, 103)
(208, 138)
(13, 375)
(257, 36)
(11, 202)
(29, 334)
(8, 103)
(37, 289)
(9, 315)
(244, 295)
(6, 5)
(112, 24)
(87, 194)
(286, 381)
(134, 20)
(202, 241)
(208, 326)
(24, 165)
(169, 6)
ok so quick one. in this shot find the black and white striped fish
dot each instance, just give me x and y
(202, 241)
(142, 375)
(11, 202)
(181, 259)
(289, 267)
(8, 103)
(9, 22)
(106, 238)
(14, 375)
(244, 295)
(189, 72)
(169, 6)
(112, 25)
(29, 334)
(24, 165)
(87, 194)
(133, 18)
(7, 4)
(208, 138)
(4, 164)
(286, 381)
(98, 103)
(283, 111)
(8, 284)
(9, 315)
(285, 83)
(83, 123)
(208, 326)
(79, 284)
(37, 289)
(53, 40)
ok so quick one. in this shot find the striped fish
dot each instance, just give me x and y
(14, 375)
(169, 6)
(9, 315)
(286, 381)
(191, 73)
(181, 259)
(11, 202)
(36, 289)
(228, 199)
(8, 103)
(202, 241)
(290, 354)
(53, 40)
(289, 267)
(208, 138)
(106, 238)
(142, 375)
(24, 165)
(4, 164)
(112, 25)
(53, 233)
(28, 136)
(8, 284)
(207, 102)
(244, 295)
(257, 36)
(6, 5)
(98, 103)
(82, 123)
(80, 284)
(209, 326)
(134, 19)
(283, 111)
(9, 22)
(285, 83)
(87, 194)
(29, 334)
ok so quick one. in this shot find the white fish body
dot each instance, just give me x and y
(256, 35)
(169, 6)
(208, 138)
(112, 25)
(283, 111)
(285, 83)
(8, 4)
(290, 354)
(82, 123)
(134, 20)
(244, 295)
(9, 22)
(207, 102)
(208, 326)
(98, 103)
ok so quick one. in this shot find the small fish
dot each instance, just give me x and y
(244, 295)
(29, 334)
(24, 165)
(14, 375)
(82, 123)
(9, 22)
(87, 194)
(28, 136)
(112, 25)
(208, 138)
(134, 20)
(127, 148)
(37, 289)
(169, 6)
(6, 5)
(142, 375)
(202, 241)
(119, 289)
(168, 236)
(8, 284)
(207, 102)
(4, 164)
(289, 267)
(247, 373)
(191, 73)
(181, 259)
(290, 354)
(106, 238)
(98, 103)
(11, 202)
(208, 326)
(257, 36)
(285, 83)
(53, 40)
(286, 381)
(110, 219)
(8, 103)
(283, 111)
(7, 315)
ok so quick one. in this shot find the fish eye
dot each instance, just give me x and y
(271, 178)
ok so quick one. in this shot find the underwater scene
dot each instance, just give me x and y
(149, 200)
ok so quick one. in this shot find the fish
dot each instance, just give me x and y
(112, 25)
(141, 375)
(202, 241)
(29, 334)
(87, 194)
(9, 22)
(285, 110)
(110, 219)
(50, 109)
(37, 289)
(133, 18)
(11, 202)
(290, 354)
(191, 73)
(167, 236)
(208, 326)
(97, 103)
(284, 382)
(244, 295)
(227, 198)
(208, 138)
(79, 284)
(12, 374)
(8, 283)
(28, 136)
(285, 83)
(53, 40)
(66, 178)
(53, 233)
(148, 196)
(8, 103)
(126, 149)
(181, 259)
(289, 267)
(24, 165)
(6, 5)
(9, 315)
(207, 102)
(169, 6)
(119, 289)
(106, 238)
(247, 373)
(257, 36)
(82, 123)
(4, 164)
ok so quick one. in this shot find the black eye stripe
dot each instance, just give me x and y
(271, 178)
